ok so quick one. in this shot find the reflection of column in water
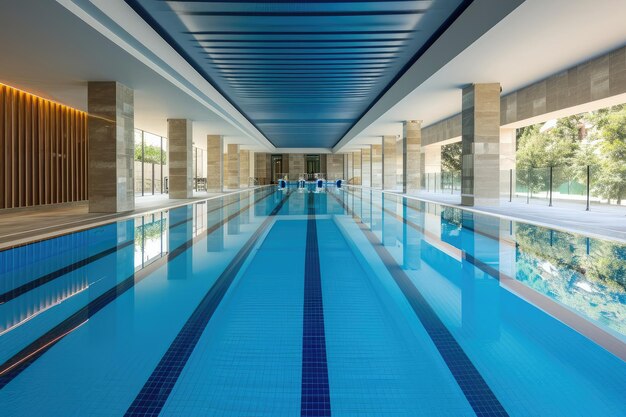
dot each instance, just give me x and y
(321, 203)
(356, 204)
(366, 206)
(215, 241)
(180, 231)
(116, 267)
(234, 224)
(411, 238)
(244, 200)
(377, 213)
(389, 223)
(480, 292)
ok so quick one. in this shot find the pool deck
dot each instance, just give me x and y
(20, 226)
(601, 221)
(605, 222)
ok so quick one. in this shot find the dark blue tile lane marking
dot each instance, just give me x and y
(38, 282)
(481, 398)
(15, 365)
(155, 392)
(315, 398)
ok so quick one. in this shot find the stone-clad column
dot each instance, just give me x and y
(366, 166)
(389, 162)
(244, 167)
(412, 147)
(377, 166)
(215, 163)
(350, 159)
(111, 147)
(180, 161)
(232, 174)
(481, 139)
(356, 167)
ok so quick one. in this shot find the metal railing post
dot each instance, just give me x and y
(528, 187)
(550, 185)
(510, 185)
(588, 185)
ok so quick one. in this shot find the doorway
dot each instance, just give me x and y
(312, 164)
(277, 168)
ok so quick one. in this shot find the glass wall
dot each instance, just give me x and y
(151, 167)
(199, 170)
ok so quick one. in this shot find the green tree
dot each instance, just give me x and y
(537, 151)
(451, 157)
(151, 154)
(609, 179)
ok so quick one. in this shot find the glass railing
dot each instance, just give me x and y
(447, 182)
(583, 187)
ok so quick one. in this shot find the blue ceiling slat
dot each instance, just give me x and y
(302, 72)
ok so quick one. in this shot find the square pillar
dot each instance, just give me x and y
(411, 150)
(244, 168)
(377, 166)
(389, 162)
(399, 163)
(233, 171)
(179, 152)
(366, 166)
(481, 145)
(356, 167)
(334, 166)
(262, 168)
(350, 159)
(215, 163)
(111, 131)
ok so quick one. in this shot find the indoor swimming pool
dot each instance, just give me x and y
(306, 302)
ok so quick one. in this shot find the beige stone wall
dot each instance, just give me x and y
(350, 159)
(356, 167)
(262, 168)
(598, 79)
(366, 166)
(296, 166)
(593, 80)
(377, 166)
(334, 166)
(389, 162)
(442, 131)
(412, 148)
(232, 169)
(244, 168)
(180, 163)
(111, 147)
(399, 163)
(215, 163)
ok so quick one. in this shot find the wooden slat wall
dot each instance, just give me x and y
(43, 151)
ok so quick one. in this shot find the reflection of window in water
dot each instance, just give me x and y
(150, 239)
(586, 275)
(199, 218)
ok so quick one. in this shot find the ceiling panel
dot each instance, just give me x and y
(302, 72)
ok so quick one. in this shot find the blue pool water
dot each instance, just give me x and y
(343, 302)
